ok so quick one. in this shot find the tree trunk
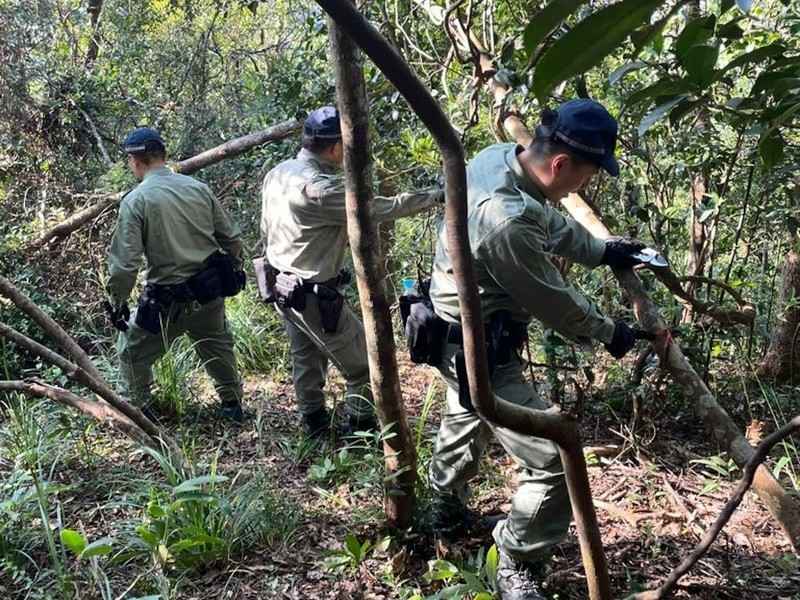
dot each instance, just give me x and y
(94, 9)
(698, 237)
(550, 424)
(782, 361)
(399, 450)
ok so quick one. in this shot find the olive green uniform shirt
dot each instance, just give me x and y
(176, 223)
(513, 233)
(304, 218)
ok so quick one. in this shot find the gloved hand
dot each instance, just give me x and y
(619, 252)
(118, 316)
(622, 341)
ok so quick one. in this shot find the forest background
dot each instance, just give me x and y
(706, 93)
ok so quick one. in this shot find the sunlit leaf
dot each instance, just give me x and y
(620, 72)
(665, 87)
(756, 56)
(97, 548)
(73, 540)
(658, 113)
(546, 20)
(589, 42)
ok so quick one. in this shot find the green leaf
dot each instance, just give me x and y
(589, 42)
(483, 596)
(546, 20)
(730, 31)
(492, 559)
(769, 80)
(755, 56)
(73, 540)
(97, 548)
(192, 485)
(770, 147)
(619, 73)
(683, 109)
(440, 570)
(644, 36)
(696, 31)
(353, 545)
(779, 466)
(666, 87)
(658, 113)
(699, 62)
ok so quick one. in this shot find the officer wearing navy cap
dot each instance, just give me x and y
(513, 232)
(304, 232)
(175, 223)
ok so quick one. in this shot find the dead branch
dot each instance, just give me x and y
(224, 151)
(750, 469)
(97, 410)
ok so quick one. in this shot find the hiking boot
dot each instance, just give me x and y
(518, 580)
(449, 516)
(355, 423)
(232, 411)
(317, 424)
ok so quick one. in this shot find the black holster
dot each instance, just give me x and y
(425, 331)
(221, 277)
(331, 303)
(504, 340)
(153, 308)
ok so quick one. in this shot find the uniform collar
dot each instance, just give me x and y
(324, 165)
(520, 177)
(156, 172)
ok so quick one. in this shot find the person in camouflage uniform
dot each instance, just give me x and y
(176, 223)
(304, 232)
(513, 232)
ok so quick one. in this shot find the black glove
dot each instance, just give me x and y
(622, 341)
(118, 316)
(619, 253)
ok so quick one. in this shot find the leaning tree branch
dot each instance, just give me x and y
(759, 456)
(550, 424)
(209, 157)
(783, 506)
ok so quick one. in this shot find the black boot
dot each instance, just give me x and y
(232, 411)
(317, 424)
(450, 517)
(517, 580)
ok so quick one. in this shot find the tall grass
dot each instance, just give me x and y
(258, 333)
(173, 374)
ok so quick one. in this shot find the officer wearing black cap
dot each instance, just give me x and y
(304, 232)
(513, 233)
(186, 236)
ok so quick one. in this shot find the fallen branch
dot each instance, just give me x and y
(229, 149)
(750, 469)
(783, 506)
(97, 410)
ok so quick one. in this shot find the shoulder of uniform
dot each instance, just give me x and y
(320, 185)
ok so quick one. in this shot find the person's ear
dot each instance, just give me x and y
(558, 164)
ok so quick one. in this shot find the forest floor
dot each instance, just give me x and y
(654, 502)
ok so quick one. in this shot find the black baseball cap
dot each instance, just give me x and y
(323, 123)
(586, 128)
(143, 139)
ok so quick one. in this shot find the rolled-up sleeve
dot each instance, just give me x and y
(125, 252)
(517, 257)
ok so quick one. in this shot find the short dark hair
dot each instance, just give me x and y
(543, 148)
(319, 145)
(148, 157)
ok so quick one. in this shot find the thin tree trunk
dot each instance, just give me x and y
(550, 424)
(94, 9)
(782, 361)
(399, 451)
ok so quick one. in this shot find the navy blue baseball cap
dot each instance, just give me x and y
(586, 128)
(323, 123)
(143, 139)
